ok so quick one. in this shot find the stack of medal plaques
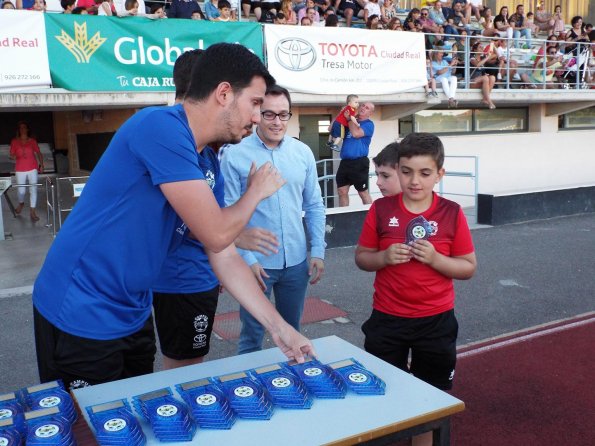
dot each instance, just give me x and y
(10, 434)
(210, 408)
(320, 380)
(48, 427)
(286, 389)
(115, 424)
(11, 414)
(170, 419)
(247, 397)
(357, 378)
(51, 394)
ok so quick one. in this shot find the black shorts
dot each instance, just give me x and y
(354, 172)
(349, 4)
(80, 362)
(432, 341)
(184, 322)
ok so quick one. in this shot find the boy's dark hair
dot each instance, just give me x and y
(389, 156)
(66, 3)
(351, 97)
(226, 62)
(156, 7)
(276, 90)
(280, 16)
(223, 4)
(331, 20)
(417, 144)
(78, 10)
(183, 71)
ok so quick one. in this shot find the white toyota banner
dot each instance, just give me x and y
(331, 60)
(23, 50)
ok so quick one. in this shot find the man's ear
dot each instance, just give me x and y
(224, 93)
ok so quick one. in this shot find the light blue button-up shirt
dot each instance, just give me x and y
(281, 213)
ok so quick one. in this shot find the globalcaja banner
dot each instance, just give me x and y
(89, 53)
(323, 60)
(23, 50)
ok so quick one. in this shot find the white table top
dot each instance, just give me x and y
(407, 402)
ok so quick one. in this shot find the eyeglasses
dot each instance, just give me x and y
(423, 14)
(270, 115)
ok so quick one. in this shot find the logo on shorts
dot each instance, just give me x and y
(393, 222)
(200, 341)
(295, 54)
(201, 323)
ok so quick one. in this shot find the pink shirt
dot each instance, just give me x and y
(24, 153)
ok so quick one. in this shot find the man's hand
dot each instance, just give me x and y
(260, 275)
(258, 239)
(397, 253)
(315, 270)
(423, 251)
(293, 345)
(266, 180)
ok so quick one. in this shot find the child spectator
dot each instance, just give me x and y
(67, 6)
(7, 4)
(413, 302)
(280, 19)
(331, 20)
(341, 123)
(121, 7)
(89, 5)
(371, 8)
(79, 10)
(157, 12)
(373, 22)
(531, 23)
(430, 87)
(105, 8)
(224, 11)
(39, 6)
(131, 7)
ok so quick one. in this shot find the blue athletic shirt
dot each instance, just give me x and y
(186, 269)
(354, 148)
(96, 278)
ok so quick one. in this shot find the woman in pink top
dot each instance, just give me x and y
(25, 151)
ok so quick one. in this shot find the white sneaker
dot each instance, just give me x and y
(516, 77)
(499, 76)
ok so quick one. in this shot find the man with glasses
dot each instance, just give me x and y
(428, 25)
(286, 272)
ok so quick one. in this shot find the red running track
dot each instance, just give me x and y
(534, 388)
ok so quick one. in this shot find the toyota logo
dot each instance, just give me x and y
(295, 54)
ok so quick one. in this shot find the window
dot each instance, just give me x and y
(465, 121)
(579, 119)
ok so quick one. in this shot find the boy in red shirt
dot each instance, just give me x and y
(413, 308)
(341, 122)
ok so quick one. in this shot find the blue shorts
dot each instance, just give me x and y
(337, 130)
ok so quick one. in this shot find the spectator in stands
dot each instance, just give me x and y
(234, 7)
(559, 26)
(544, 70)
(39, 6)
(487, 23)
(480, 77)
(7, 4)
(544, 20)
(440, 15)
(89, 5)
(211, 9)
(388, 10)
(290, 14)
(267, 15)
(184, 9)
(373, 22)
(121, 7)
(443, 73)
(157, 11)
(29, 163)
(224, 11)
(67, 6)
(430, 87)
(79, 11)
(576, 34)
(280, 19)
(551, 42)
(502, 23)
(531, 23)
(409, 24)
(270, 6)
(427, 24)
(520, 27)
(131, 7)
(305, 21)
(349, 9)
(395, 24)
(314, 17)
(371, 8)
(105, 8)
(457, 18)
(331, 20)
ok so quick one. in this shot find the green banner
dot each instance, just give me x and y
(88, 53)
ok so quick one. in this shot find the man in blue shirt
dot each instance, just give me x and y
(287, 271)
(92, 299)
(354, 167)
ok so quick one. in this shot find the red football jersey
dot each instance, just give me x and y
(414, 289)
